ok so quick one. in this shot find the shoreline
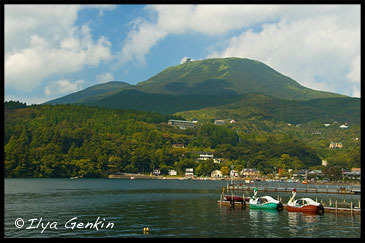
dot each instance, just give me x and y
(239, 180)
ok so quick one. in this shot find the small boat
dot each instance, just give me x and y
(304, 205)
(74, 177)
(132, 177)
(265, 202)
(236, 198)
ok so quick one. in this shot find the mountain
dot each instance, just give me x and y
(258, 106)
(196, 85)
(228, 76)
(92, 93)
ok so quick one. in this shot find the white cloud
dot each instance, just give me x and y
(316, 51)
(41, 41)
(62, 87)
(180, 19)
(105, 77)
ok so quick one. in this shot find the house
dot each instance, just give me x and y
(300, 173)
(178, 145)
(344, 126)
(334, 145)
(182, 124)
(327, 124)
(216, 174)
(217, 161)
(205, 156)
(250, 172)
(232, 121)
(314, 173)
(189, 172)
(156, 172)
(354, 174)
(219, 122)
(233, 173)
(316, 132)
(172, 172)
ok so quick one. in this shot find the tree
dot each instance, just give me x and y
(225, 170)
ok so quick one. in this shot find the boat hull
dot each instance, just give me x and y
(264, 206)
(305, 209)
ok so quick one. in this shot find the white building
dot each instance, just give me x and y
(172, 172)
(185, 60)
(233, 173)
(219, 122)
(205, 156)
(343, 126)
(216, 173)
(189, 172)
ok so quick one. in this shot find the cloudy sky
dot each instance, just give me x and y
(55, 50)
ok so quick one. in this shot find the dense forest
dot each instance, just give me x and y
(76, 140)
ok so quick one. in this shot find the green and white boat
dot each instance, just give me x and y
(265, 202)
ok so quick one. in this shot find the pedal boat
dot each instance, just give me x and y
(265, 202)
(306, 205)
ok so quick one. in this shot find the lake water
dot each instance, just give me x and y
(169, 208)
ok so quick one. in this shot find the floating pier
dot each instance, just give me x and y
(351, 211)
(341, 190)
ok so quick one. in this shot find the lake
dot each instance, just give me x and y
(169, 208)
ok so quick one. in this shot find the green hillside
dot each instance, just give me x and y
(77, 140)
(163, 103)
(228, 76)
(262, 107)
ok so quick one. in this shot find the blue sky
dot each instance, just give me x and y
(52, 51)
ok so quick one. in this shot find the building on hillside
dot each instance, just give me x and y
(336, 145)
(178, 145)
(219, 122)
(216, 174)
(185, 60)
(189, 172)
(327, 124)
(205, 155)
(344, 126)
(324, 162)
(182, 124)
(316, 132)
(156, 172)
(217, 160)
(232, 121)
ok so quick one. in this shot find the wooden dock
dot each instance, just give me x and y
(351, 211)
(241, 187)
